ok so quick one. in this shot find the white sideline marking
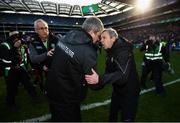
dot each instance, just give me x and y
(94, 105)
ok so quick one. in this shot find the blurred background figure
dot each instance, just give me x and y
(15, 72)
(156, 54)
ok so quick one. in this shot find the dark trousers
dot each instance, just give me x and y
(38, 72)
(40, 76)
(12, 82)
(65, 112)
(156, 68)
(124, 103)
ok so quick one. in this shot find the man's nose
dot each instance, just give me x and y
(44, 30)
(19, 41)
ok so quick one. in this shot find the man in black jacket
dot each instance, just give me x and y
(41, 49)
(74, 57)
(156, 53)
(121, 72)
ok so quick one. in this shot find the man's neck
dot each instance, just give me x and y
(44, 39)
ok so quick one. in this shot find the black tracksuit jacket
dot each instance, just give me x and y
(74, 57)
(38, 52)
(121, 68)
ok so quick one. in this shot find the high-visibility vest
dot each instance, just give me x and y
(23, 55)
(8, 47)
(154, 54)
(4, 60)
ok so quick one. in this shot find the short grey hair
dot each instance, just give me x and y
(93, 24)
(37, 21)
(112, 32)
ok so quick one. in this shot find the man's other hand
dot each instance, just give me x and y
(50, 52)
(93, 78)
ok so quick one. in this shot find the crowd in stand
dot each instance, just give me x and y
(169, 33)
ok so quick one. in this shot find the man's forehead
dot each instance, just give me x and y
(42, 24)
(105, 33)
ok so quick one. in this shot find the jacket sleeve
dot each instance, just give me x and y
(120, 75)
(112, 77)
(165, 53)
(89, 61)
(34, 57)
(5, 58)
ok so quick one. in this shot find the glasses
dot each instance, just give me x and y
(42, 28)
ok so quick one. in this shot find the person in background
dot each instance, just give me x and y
(41, 50)
(155, 54)
(121, 72)
(74, 57)
(14, 69)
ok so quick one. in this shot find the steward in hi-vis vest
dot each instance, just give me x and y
(156, 53)
(12, 60)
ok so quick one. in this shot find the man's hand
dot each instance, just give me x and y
(17, 66)
(50, 52)
(93, 78)
(45, 68)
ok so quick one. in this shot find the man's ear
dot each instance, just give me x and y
(91, 32)
(35, 30)
(113, 39)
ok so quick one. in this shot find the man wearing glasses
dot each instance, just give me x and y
(41, 49)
